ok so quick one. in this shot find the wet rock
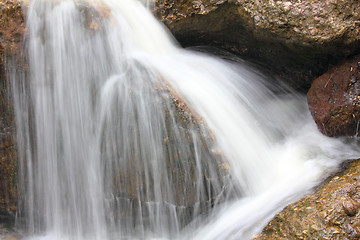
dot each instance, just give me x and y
(330, 213)
(351, 206)
(10, 238)
(296, 39)
(12, 31)
(334, 99)
(8, 233)
(191, 163)
(131, 183)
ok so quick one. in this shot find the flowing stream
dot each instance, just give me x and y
(124, 135)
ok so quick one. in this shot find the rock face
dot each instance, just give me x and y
(330, 213)
(11, 35)
(295, 39)
(334, 99)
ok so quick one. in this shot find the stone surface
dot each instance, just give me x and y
(332, 212)
(131, 181)
(295, 39)
(8, 233)
(188, 145)
(334, 99)
(11, 35)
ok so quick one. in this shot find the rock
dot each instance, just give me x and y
(351, 206)
(11, 35)
(190, 175)
(8, 233)
(330, 213)
(295, 39)
(334, 99)
(10, 238)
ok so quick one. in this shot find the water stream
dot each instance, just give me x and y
(124, 135)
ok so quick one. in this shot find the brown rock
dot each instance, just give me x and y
(127, 182)
(180, 163)
(351, 206)
(296, 39)
(329, 213)
(334, 99)
(11, 35)
(10, 238)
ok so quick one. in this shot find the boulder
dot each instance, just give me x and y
(11, 35)
(295, 39)
(334, 99)
(189, 162)
(189, 175)
(332, 212)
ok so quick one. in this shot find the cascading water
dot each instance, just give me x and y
(123, 135)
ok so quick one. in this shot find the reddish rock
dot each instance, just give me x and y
(334, 99)
(351, 206)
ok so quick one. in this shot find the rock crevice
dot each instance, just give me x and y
(298, 40)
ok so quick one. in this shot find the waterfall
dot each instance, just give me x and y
(124, 135)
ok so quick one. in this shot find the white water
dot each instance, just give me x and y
(101, 144)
